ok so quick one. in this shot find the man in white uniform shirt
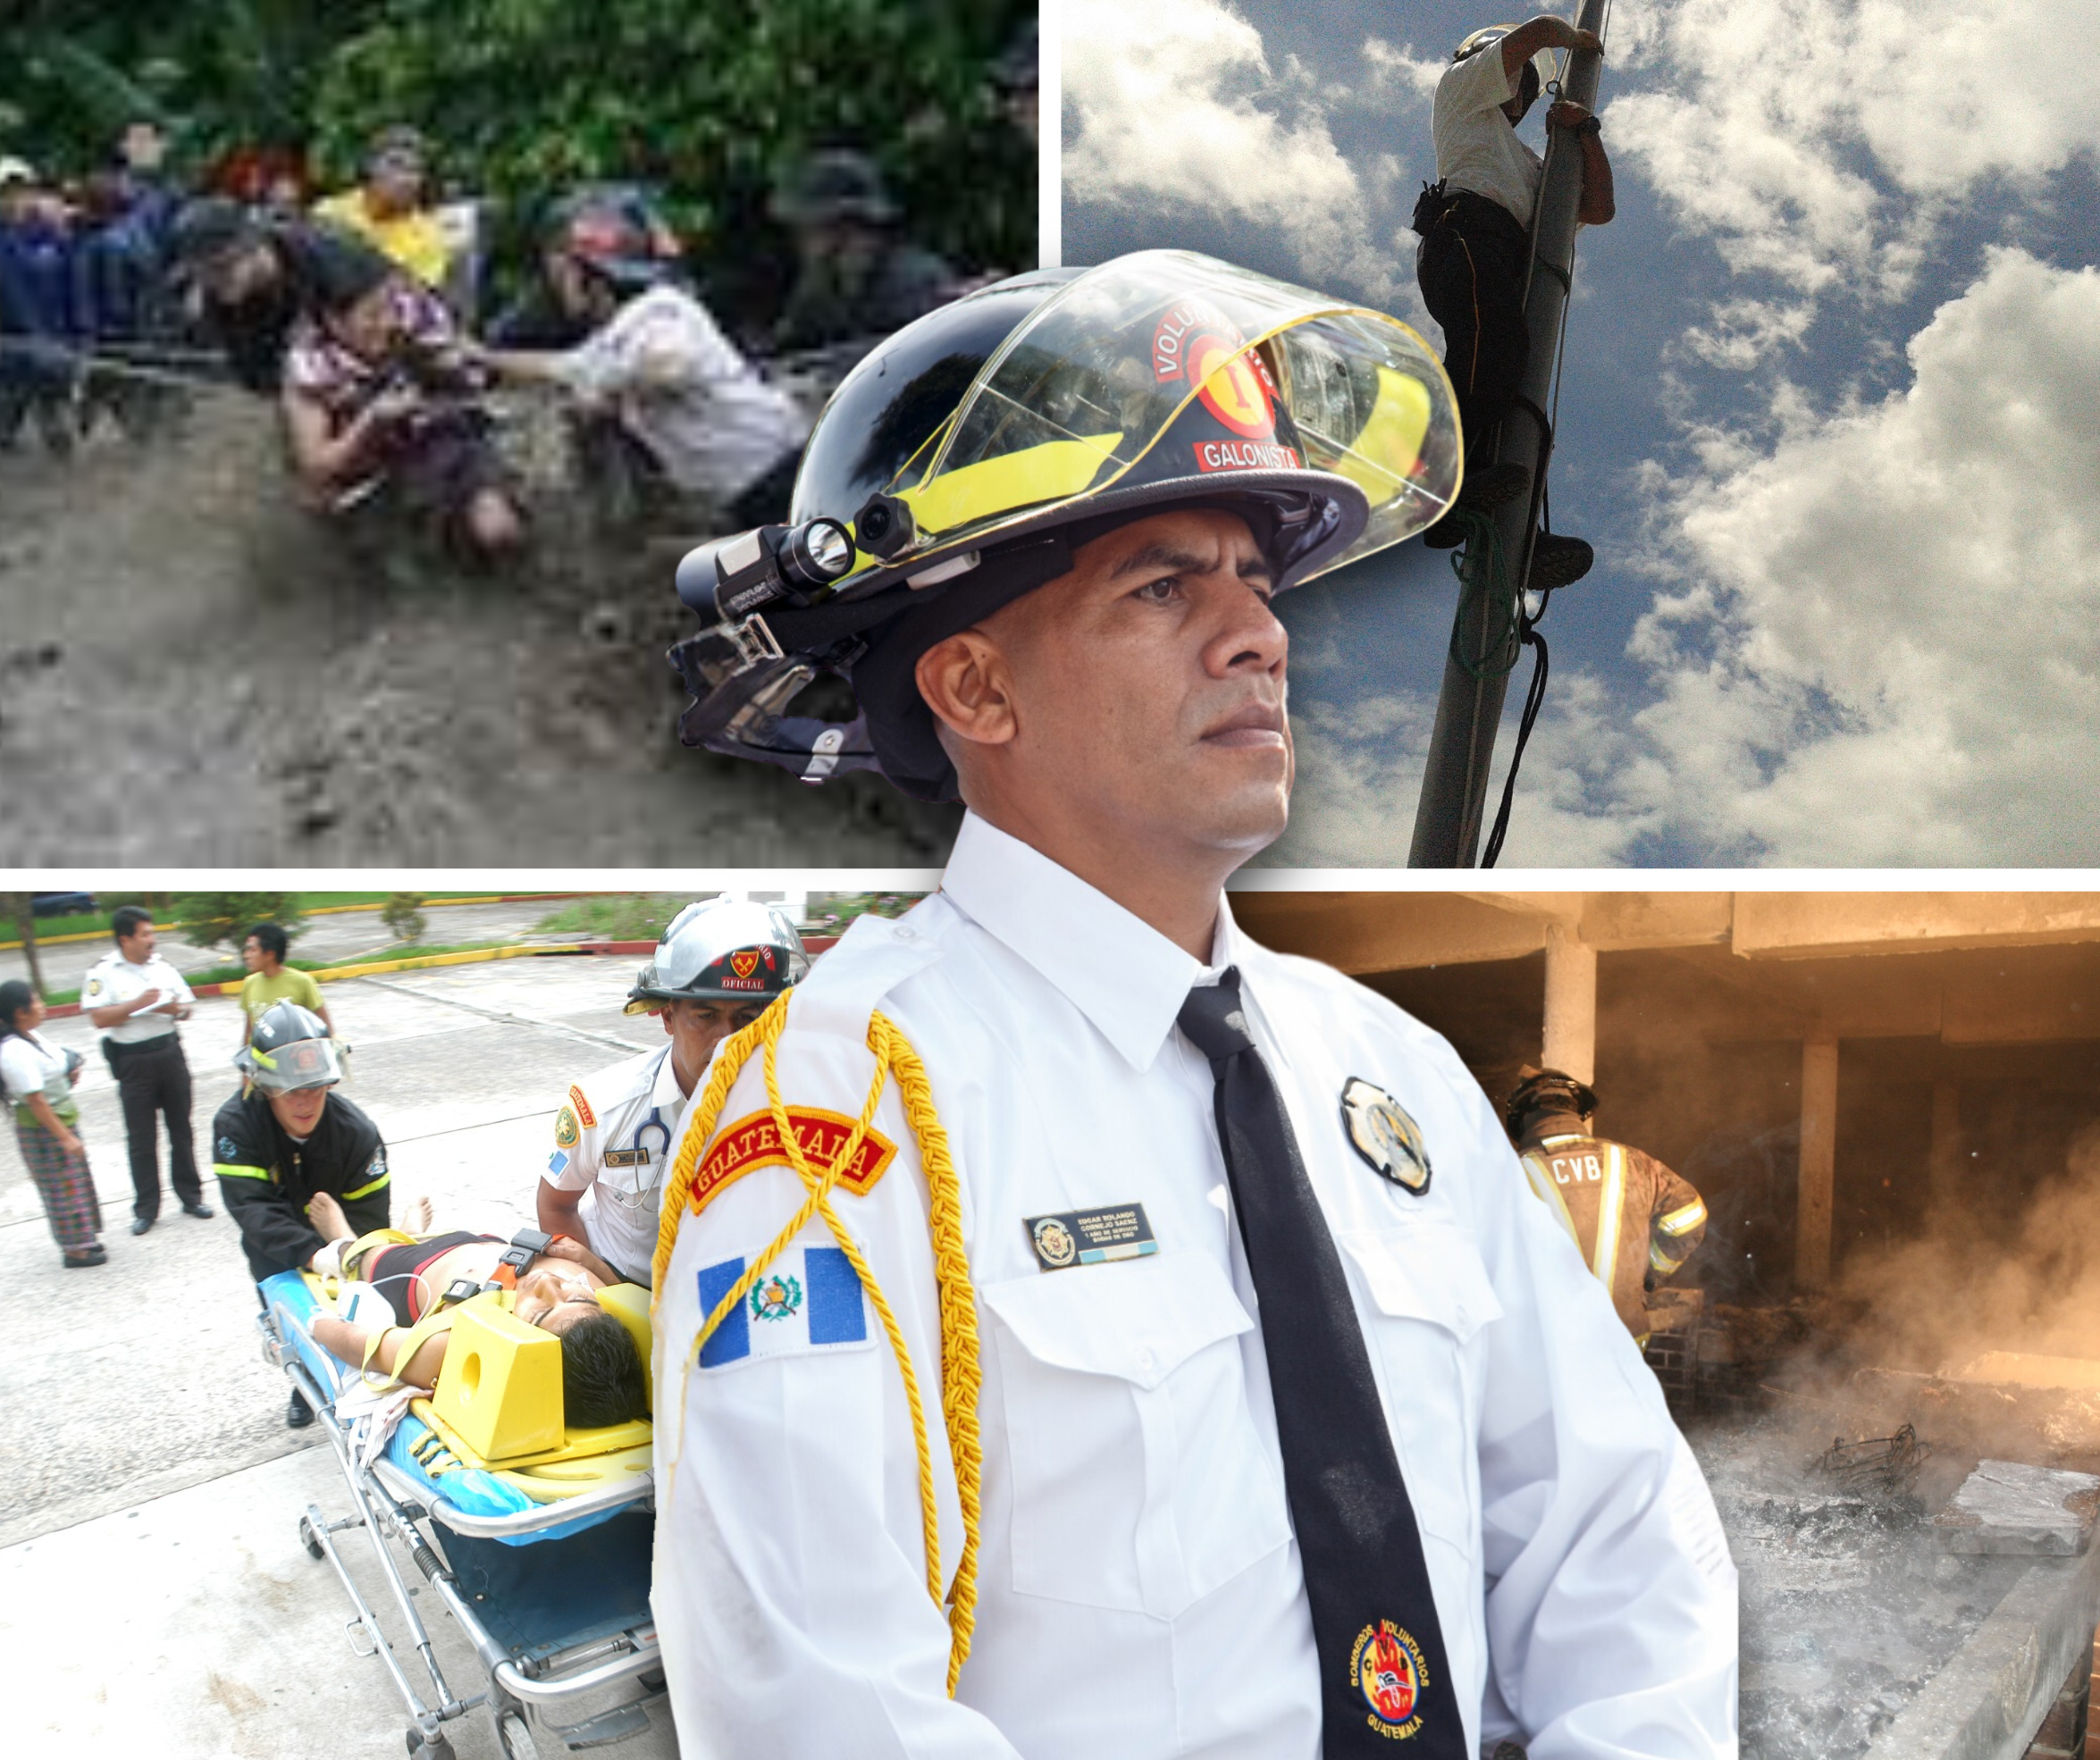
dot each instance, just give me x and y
(716, 967)
(137, 997)
(1302, 1430)
(1474, 224)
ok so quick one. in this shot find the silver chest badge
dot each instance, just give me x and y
(1384, 1134)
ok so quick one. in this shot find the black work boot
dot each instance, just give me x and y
(1559, 561)
(298, 1414)
(1483, 490)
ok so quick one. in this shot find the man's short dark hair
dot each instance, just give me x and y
(124, 921)
(603, 1380)
(272, 939)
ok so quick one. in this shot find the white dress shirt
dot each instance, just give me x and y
(113, 979)
(621, 1138)
(1476, 146)
(1140, 1592)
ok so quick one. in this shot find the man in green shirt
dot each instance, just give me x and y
(271, 980)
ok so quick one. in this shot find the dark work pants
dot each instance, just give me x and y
(1471, 268)
(153, 1079)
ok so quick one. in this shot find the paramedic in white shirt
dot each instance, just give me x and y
(1043, 1163)
(137, 997)
(718, 964)
(657, 361)
(1475, 227)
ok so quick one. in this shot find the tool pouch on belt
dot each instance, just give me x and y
(1430, 209)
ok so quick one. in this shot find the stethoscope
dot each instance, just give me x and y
(649, 1159)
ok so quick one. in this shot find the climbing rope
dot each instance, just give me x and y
(1484, 578)
(960, 1369)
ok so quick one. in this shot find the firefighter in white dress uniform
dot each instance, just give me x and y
(1080, 1331)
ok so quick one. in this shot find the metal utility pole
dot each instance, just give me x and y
(1469, 710)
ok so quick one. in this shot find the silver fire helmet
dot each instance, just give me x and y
(722, 949)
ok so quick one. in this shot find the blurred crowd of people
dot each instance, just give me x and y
(370, 316)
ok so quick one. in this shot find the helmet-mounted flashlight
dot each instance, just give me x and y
(733, 577)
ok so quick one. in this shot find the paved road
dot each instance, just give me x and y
(154, 1597)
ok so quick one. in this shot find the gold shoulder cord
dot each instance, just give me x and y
(960, 1375)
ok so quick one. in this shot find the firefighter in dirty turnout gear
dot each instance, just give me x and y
(1474, 224)
(718, 964)
(284, 1137)
(1079, 1330)
(1633, 1219)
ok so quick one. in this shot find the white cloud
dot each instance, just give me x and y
(1177, 106)
(1883, 649)
(1824, 142)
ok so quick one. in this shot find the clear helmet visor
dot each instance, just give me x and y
(1166, 367)
(303, 1063)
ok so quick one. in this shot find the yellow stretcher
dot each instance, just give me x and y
(535, 1536)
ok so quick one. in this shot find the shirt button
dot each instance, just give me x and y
(1459, 1315)
(906, 932)
(1145, 1359)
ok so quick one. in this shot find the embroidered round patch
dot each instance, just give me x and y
(1387, 1667)
(775, 1298)
(567, 1132)
(1381, 1131)
(1055, 1245)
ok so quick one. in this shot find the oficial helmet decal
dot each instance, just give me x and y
(1387, 1667)
(1197, 343)
(745, 961)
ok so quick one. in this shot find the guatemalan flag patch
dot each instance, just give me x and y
(808, 1300)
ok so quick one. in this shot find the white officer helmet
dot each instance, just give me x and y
(1546, 60)
(724, 948)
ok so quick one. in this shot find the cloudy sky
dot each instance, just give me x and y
(1830, 413)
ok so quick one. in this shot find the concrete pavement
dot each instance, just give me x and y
(153, 1593)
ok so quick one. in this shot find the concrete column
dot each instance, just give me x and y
(1819, 1163)
(1945, 1184)
(1571, 1005)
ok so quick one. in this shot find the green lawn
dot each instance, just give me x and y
(227, 974)
(97, 922)
(615, 916)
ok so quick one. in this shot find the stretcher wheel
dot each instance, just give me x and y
(515, 1738)
(436, 1748)
(308, 1538)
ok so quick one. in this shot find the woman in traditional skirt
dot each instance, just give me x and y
(37, 1079)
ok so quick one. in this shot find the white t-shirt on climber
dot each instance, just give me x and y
(1476, 148)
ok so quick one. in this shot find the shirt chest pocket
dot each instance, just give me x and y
(1138, 1479)
(1432, 1297)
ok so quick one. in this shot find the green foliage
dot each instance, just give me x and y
(615, 916)
(831, 912)
(223, 919)
(714, 100)
(402, 914)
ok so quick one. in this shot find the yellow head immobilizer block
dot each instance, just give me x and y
(501, 1388)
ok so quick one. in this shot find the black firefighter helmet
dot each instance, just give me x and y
(960, 464)
(1539, 1091)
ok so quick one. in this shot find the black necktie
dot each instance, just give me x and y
(1384, 1677)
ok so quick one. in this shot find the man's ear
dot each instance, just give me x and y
(967, 684)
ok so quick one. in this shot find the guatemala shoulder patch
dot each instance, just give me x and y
(808, 1301)
(583, 1106)
(753, 1142)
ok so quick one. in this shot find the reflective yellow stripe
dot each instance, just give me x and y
(365, 1191)
(1543, 1184)
(1610, 1201)
(1660, 1261)
(1683, 1221)
(227, 1171)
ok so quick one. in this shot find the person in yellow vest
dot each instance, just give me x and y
(388, 208)
(1630, 1216)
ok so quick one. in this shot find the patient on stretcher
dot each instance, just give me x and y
(603, 1380)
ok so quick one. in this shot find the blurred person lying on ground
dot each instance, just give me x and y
(602, 1374)
(654, 375)
(381, 400)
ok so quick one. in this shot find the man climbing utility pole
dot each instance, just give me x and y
(1476, 278)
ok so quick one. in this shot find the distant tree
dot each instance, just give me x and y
(22, 909)
(402, 914)
(223, 919)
